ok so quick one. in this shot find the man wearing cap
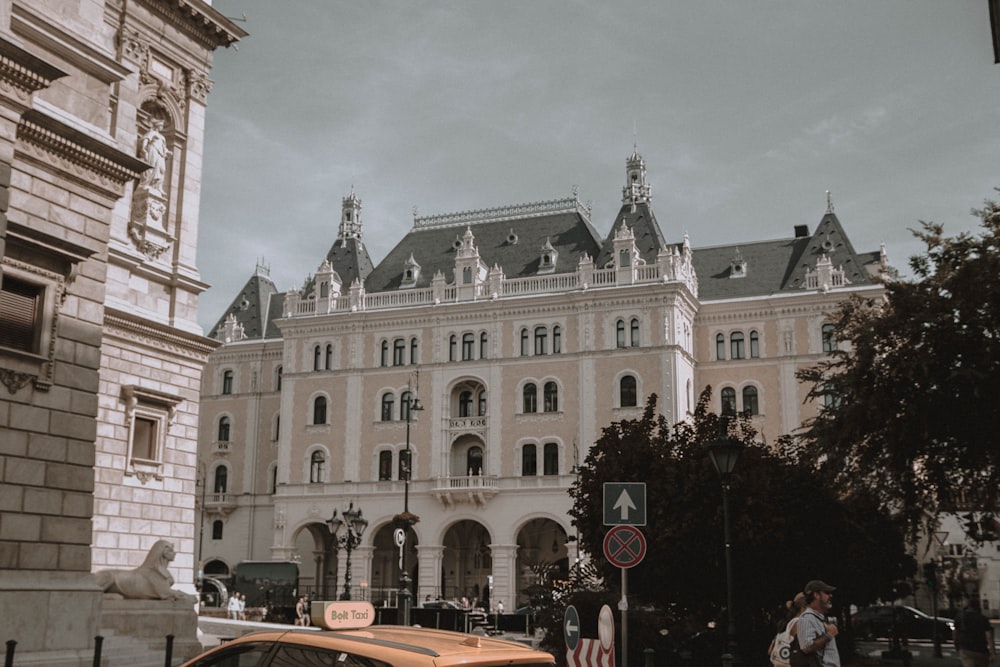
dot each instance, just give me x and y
(814, 633)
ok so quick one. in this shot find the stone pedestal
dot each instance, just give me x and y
(150, 621)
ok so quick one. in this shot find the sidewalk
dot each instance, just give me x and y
(921, 655)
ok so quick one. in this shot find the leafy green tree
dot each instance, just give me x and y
(789, 525)
(911, 401)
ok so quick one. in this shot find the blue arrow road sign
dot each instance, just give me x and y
(571, 627)
(624, 503)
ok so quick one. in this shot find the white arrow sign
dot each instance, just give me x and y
(624, 504)
(570, 628)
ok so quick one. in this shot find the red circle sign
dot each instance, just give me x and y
(624, 546)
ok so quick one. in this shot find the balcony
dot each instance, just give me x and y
(220, 503)
(474, 489)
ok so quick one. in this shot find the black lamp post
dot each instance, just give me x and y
(405, 520)
(353, 525)
(724, 453)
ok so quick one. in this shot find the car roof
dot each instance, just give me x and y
(398, 644)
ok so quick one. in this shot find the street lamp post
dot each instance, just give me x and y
(347, 532)
(406, 520)
(724, 453)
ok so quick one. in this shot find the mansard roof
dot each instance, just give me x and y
(511, 237)
(649, 238)
(252, 307)
(350, 259)
(779, 266)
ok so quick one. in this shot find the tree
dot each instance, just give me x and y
(788, 524)
(910, 400)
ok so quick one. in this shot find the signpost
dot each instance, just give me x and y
(624, 544)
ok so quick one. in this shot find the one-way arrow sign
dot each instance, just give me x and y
(571, 628)
(624, 503)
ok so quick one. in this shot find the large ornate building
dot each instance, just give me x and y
(102, 118)
(522, 332)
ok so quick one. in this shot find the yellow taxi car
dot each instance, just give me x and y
(354, 642)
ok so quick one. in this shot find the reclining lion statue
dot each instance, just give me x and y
(150, 581)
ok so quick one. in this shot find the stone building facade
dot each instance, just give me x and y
(522, 331)
(102, 108)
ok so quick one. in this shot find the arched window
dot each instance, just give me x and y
(413, 350)
(405, 461)
(405, 401)
(274, 479)
(750, 401)
(317, 467)
(319, 410)
(530, 395)
(736, 350)
(474, 459)
(624, 258)
(524, 343)
(388, 406)
(384, 465)
(224, 428)
(465, 404)
(468, 346)
(550, 459)
(217, 529)
(481, 404)
(627, 397)
(220, 484)
(277, 378)
(529, 461)
(452, 347)
(634, 332)
(728, 395)
(384, 356)
(317, 357)
(620, 334)
(556, 339)
(551, 397)
(754, 345)
(483, 346)
(541, 340)
(829, 340)
(720, 347)
(398, 352)
(329, 357)
(227, 382)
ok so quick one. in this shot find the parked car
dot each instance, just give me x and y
(370, 646)
(900, 621)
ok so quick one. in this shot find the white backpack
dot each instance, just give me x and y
(781, 648)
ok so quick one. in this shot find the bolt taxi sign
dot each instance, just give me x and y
(343, 615)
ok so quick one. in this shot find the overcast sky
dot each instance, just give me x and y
(746, 114)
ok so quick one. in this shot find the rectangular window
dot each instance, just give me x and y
(144, 439)
(20, 312)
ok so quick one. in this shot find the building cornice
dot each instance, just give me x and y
(23, 73)
(165, 337)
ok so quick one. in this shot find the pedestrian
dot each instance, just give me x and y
(306, 610)
(233, 607)
(973, 636)
(242, 606)
(300, 611)
(815, 634)
(780, 648)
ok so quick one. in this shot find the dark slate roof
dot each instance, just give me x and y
(515, 244)
(252, 307)
(648, 236)
(350, 259)
(779, 265)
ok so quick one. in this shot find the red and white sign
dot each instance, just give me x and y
(598, 652)
(624, 546)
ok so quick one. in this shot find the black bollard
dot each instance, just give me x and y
(98, 641)
(8, 661)
(170, 651)
(648, 654)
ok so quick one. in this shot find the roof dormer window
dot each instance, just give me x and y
(738, 266)
(547, 260)
(411, 273)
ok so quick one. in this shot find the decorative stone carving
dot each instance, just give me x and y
(150, 581)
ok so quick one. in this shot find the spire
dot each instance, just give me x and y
(829, 202)
(636, 190)
(350, 218)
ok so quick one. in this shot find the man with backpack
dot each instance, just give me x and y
(815, 634)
